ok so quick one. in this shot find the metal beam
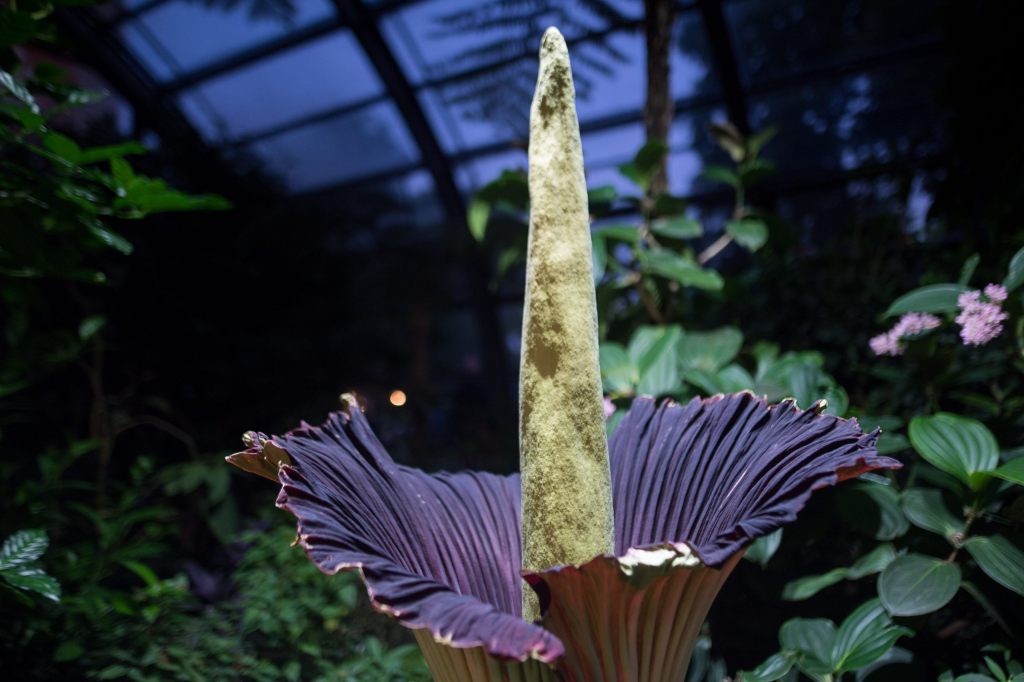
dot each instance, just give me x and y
(723, 57)
(364, 27)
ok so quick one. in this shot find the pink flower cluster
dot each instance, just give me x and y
(911, 324)
(981, 320)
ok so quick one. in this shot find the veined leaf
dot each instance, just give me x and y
(711, 350)
(654, 352)
(934, 298)
(23, 547)
(914, 584)
(807, 587)
(814, 638)
(957, 445)
(775, 667)
(925, 509)
(32, 579)
(864, 637)
(873, 562)
(1012, 471)
(999, 559)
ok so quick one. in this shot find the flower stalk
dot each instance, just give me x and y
(563, 453)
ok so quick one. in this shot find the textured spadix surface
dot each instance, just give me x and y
(693, 484)
(563, 455)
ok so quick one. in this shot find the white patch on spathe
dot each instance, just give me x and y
(676, 556)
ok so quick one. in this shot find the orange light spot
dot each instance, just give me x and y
(397, 398)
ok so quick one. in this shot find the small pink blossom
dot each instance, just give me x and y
(911, 324)
(981, 321)
(609, 407)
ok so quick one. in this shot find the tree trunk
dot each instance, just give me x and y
(659, 106)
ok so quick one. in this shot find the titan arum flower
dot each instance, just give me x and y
(600, 561)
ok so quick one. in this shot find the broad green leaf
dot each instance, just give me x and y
(709, 351)
(1012, 471)
(142, 570)
(18, 90)
(677, 228)
(617, 370)
(925, 509)
(1015, 273)
(624, 233)
(721, 174)
(32, 579)
(775, 667)
(670, 265)
(873, 562)
(807, 587)
(867, 502)
(750, 233)
(934, 298)
(604, 194)
(957, 445)
(812, 637)
(967, 271)
(999, 559)
(649, 157)
(914, 584)
(63, 146)
(764, 548)
(109, 152)
(864, 637)
(477, 215)
(23, 547)
(90, 326)
(732, 378)
(654, 352)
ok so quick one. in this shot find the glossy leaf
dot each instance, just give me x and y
(33, 580)
(709, 351)
(925, 509)
(677, 228)
(957, 445)
(1000, 559)
(1012, 471)
(873, 562)
(934, 298)
(807, 587)
(812, 637)
(914, 584)
(617, 371)
(864, 637)
(775, 667)
(23, 547)
(750, 233)
(1015, 273)
(763, 549)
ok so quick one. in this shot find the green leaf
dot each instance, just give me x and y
(934, 298)
(764, 548)
(111, 239)
(605, 194)
(873, 562)
(477, 215)
(812, 637)
(122, 171)
(654, 352)
(750, 233)
(63, 146)
(669, 205)
(967, 271)
(667, 264)
(709, 351)
(864, 637)
(677, 228)
(634, 175)
(914, 584)
(617, 370)
(68, 651)
(721, 174)
(32, 579)
(19, 91)
(1012, 471)
(110, 152)
(775, 667)
(650, 156)
(891, 523)
(957, 445)
(729, 138)
(925, 509)
(999, 559)
(598, 255)
(1015, 273)
(807, 587)
(623, 233)
(89, 327)
(23, 547)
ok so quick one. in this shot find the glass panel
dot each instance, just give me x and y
(329, 72)
(777, 38)
(871, 118)
(194, 34)
(433, 39)
(474, 174)
(369, 141)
